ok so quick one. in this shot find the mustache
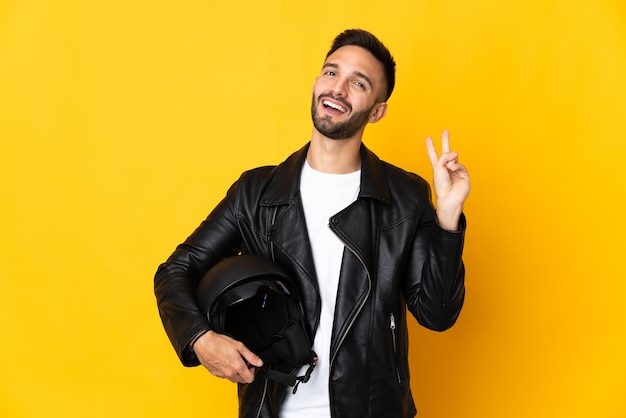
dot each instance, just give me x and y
(337, 99)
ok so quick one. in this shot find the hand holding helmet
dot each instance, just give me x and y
(226, 357)
(256, 320)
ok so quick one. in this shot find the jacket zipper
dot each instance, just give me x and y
(356, 314)
(258, 412)
(272, 226)
(392, 326)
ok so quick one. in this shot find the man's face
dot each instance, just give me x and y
(347, 93)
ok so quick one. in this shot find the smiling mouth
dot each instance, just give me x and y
(328, 104)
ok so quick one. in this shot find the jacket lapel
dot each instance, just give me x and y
(357, 226)
(288, 231)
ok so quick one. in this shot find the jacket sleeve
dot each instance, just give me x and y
(436, 298)
(175, 281)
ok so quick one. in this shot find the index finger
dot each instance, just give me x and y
(245, 368)
(432, 153)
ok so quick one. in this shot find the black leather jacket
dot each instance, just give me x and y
(395, 257)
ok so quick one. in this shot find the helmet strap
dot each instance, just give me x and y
(291, 379)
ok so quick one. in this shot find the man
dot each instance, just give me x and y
(360, 237)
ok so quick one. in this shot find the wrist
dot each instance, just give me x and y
(196, 337)
(449, 219)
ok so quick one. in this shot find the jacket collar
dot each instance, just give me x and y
(285, 185)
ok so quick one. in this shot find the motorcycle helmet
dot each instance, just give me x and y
(253, 300)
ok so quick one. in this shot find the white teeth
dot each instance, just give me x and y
(334, 106)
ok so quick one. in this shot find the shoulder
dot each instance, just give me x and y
(273, 184)
(254, 180)
(401, 181)
(291, 165)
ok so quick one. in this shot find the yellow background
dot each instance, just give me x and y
(122, 123)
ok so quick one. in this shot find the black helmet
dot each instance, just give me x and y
(253, 300)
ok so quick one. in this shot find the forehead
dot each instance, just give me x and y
(355, 59)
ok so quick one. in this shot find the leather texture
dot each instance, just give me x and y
(396, 257)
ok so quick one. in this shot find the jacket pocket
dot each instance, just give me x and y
(394, 342)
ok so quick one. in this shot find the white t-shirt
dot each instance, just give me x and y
(323, 195)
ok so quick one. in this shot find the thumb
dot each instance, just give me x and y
(251, 358)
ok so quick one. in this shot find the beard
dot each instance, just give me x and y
(339, 130)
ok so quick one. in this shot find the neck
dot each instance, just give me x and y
(334, 156)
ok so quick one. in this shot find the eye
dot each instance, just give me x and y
(330, 73)
(359, 85)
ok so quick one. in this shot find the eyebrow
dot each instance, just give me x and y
(357, 73)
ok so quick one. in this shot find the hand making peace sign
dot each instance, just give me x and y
(450, 181)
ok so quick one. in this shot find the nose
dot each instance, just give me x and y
(339, 87)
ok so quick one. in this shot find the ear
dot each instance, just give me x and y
(378, 112)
